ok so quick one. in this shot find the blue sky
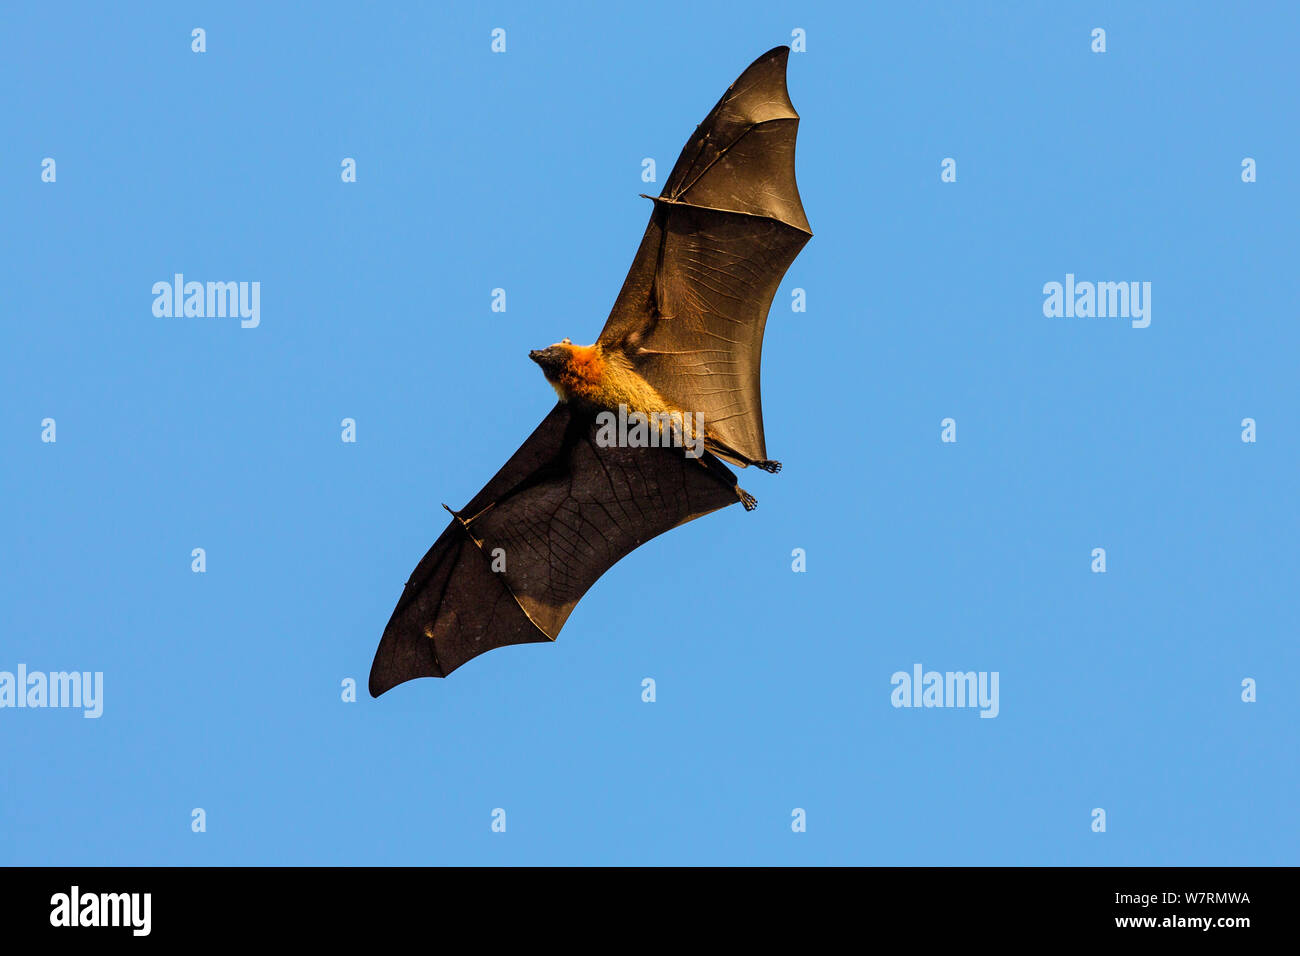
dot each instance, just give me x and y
(521, 170)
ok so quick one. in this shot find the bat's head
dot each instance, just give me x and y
(553, 359)
(574, 371)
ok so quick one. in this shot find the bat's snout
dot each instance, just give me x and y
(547, 358)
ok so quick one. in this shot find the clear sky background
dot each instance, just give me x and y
(521, 170)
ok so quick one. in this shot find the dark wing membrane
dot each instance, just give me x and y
(560, 513)
(721, 236)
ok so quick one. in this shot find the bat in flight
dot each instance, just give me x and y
(677, 362)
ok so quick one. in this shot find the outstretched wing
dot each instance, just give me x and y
(724, 230)
(514, 562)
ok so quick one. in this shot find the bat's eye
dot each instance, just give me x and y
(565, 341)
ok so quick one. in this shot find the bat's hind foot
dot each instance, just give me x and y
(771, 467)
(746, 499)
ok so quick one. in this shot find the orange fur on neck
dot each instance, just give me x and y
(583, 377)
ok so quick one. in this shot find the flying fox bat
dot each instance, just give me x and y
(681, 350)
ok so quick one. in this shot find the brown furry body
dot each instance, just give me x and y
(589, 375)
